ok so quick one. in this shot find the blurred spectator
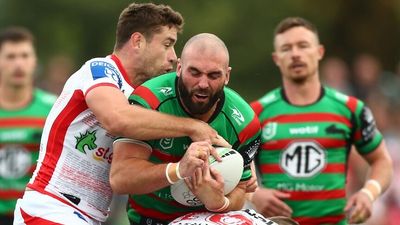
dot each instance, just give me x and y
(336, 74)
(367, 74)
(23, 110)
(58, 70)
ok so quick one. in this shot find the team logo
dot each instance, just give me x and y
(166, 90)
(15, 161)
(269, 130)
(166, 143)
(303, 159)
(86, 140)
(237, 115)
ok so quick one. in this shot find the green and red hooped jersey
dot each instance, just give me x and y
(304, 150)
(20, 133)
(233, 119)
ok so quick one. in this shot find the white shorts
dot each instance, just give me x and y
(39, 209)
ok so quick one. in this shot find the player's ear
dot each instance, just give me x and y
(228, 75)
(137, 40)
(178, 67)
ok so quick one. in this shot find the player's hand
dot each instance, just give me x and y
(208, 186)
(358, 208)
(196, 156)
(251, 185)
(268, 202)
(201, 131)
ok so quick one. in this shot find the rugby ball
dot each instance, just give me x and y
(231, 169)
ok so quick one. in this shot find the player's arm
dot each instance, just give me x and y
(381, 169)
(117, 116)
(132, 173)
(369, 142)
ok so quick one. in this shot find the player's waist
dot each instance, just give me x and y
(75, 202)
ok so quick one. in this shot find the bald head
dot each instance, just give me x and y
(205, 44)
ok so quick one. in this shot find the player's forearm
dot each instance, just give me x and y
(237, 197)
(381, 171)
(133, 176)
(144, 124)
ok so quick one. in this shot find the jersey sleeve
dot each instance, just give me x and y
(248, 145)
(366, 136)
(100, 72)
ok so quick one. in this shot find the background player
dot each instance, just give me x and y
(23, 110)
(307, 132)
(147, 169)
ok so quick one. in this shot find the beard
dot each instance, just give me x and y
(197, 108)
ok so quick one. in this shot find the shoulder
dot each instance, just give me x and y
(237, 109)
(351, 103)
(268, 99)
(101, 67)
(156, 90)
(44, 97)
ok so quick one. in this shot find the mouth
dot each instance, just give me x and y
(168, 70)
(297, 65)
(200, 97)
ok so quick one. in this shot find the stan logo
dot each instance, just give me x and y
(269, 131)
(303, 159)
(237, 116)
(166, 143)
(86, 140)
(165, 90)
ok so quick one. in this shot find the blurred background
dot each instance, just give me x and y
(362, 58)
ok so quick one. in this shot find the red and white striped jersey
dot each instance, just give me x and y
(75, 150)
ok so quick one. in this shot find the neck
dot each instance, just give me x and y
(127, 62)
(12, 98)
(302, 93)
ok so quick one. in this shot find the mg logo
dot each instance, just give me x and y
(303, 159)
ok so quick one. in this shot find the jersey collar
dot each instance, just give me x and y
(122, 69)
(285, 98)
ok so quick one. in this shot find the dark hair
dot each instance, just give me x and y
(15, 34)
(291, 22)
(146, 18)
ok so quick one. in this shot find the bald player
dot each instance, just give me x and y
(146, 169)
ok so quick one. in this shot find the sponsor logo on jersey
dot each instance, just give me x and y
(286, 186)
(269, 130)
(166, 143)
(368, 127)
(102, 69)
(304, 130)
(237, 115)
(303, 159)
(86, 141)
(15, 161)
(166, 91)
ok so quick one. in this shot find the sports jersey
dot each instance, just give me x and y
(304, 150)
(233, 119)
(242, 217)
(20, 132)
(75, 150)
